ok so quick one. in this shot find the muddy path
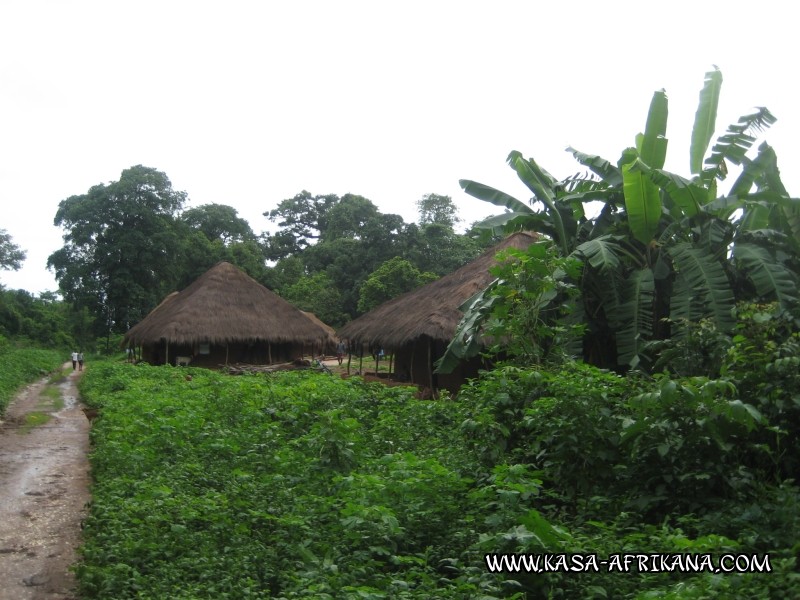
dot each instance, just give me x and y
(44, 489)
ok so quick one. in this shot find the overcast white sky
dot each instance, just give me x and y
(246, 103)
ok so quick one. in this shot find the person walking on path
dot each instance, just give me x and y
(80, 361)
(74, 360)
(340, 349)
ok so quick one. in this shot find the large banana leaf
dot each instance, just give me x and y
(501, 220)
(602, 253)
(599, 166)
(635, 316)
(652, 144)
(734, 145)
(762, 172)
(642, 200)
(707, 291)
(496, 197)
(769, 276)
(688, 195)
(541, 183)
(705, 120)
(466, 342)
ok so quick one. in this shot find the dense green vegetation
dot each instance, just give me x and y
(22, 365)
(659, 252)
(302, 485)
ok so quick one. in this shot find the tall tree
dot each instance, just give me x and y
(302, 219)
(394, 277)
(218, 222)
(122, 247)
(11, 256)
(317, 294)
(434, 208)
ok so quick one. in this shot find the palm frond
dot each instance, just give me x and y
(635, 316)
(642, 200)
(769, 277)
(601, 253)
(493, 196)
(599, 166)
(733, 145)
(652, 144)
(705, 120)
(707, 291)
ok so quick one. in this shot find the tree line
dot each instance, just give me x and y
(131, 242)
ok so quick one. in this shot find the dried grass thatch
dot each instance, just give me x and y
(223, 306)
(431, 310)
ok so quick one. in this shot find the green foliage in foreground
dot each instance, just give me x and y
(300, 485)
(22, 366)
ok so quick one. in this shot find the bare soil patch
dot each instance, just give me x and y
(44, 490)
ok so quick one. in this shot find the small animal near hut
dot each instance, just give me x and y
(225, 316)
(417, 326)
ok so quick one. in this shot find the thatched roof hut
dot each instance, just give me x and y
(225, 309)
(419, 324)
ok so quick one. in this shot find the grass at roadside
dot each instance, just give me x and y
(22, 366)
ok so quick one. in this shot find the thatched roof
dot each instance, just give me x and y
(331, 331)
(225, 305)
(431, 310)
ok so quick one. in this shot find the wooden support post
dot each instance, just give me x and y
(430, 368)
(361, 361)
(269, 353)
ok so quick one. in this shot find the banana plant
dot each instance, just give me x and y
(662, 249)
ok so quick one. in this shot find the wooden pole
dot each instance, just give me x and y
(411, 366)
(361, 360)
(391, 360)
(269, 353)
(430, 368)
(226, 354)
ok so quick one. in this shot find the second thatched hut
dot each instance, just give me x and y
(417, 326)
(223, 317)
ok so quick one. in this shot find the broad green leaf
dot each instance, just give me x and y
(635, 314)
(704, 289)
(704, 120)
(642, 201)
(768, 275)
(601, 253)
(493, 196)
(734, 145)
(501, 220)
(600, 166)
(466, 341)
(541, 184)
(652, 145)
(688, 195)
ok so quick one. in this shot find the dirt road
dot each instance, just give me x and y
(44, 489)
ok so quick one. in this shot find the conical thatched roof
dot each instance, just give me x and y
(431, 310)
(331, 331)
(225, 305)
